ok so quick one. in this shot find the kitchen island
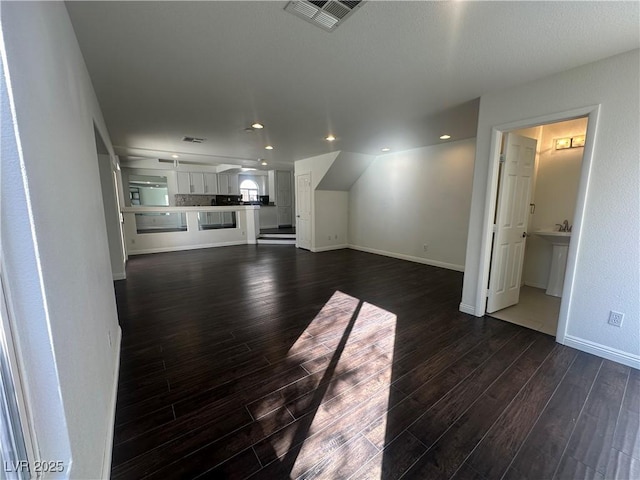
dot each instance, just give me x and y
(166, 229)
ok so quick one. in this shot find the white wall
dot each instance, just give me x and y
(55, 251)
(331, 220)
(408, 199)
(607, 255)
(555, 193)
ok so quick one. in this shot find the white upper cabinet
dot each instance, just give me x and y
(223, 184)
(197, 183)
(234, 186)
(184, 182)
(210, 183)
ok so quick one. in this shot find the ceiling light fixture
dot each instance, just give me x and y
(257, 125)
(330, 138)
(445, 137)
(386, 149)
(268, 147)
(264, 162)
(175, 156)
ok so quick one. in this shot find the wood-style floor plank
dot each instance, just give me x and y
(269, 362)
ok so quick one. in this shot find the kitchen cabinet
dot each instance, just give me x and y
(210, 183)
(184, 182)
(223, 184)
(228, 184)
(197, 182)
(234, 185)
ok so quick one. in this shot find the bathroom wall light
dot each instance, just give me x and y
(570, 142)
(577, 141)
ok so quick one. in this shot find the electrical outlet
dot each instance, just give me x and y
(425, 247)
(133, 240)
(335, 237)
(615, 318)
(328, 237)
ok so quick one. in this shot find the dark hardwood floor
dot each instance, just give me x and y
(271, 362)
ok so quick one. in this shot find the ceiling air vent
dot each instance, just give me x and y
(193, 139)
(327, 14)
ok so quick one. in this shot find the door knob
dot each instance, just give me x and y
(524, 234)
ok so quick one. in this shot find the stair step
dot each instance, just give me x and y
(276, 241)
(277, 235)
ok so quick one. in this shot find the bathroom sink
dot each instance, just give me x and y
(555, 238)
(560, 243)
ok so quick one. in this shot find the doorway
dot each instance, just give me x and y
(303, 211)
(111, 208)
(526, 280)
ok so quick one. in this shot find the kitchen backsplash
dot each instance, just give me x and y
(188, 200)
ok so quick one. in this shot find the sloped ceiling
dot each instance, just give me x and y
(344, 171)
(163, 70)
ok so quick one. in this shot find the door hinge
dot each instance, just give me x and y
(503, 159)
(488, 292)
(494, 228)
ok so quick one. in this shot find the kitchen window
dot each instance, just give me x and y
(249, 191)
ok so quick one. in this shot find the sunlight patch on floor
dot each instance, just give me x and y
(347, 389)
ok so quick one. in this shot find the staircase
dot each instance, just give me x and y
(276, 236)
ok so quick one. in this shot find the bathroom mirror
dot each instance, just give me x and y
(148, 191)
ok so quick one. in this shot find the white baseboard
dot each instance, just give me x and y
(603, 351)
(470, 309)
(268, 226)
(329, 247)
(536, 285)
(111, 417)
(410, 258)
(187, 247)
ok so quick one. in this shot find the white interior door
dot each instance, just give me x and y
(303, 213)
(512, 215)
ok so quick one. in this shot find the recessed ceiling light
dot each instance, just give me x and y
(264, 162)
(330, 138)
(268, 147)
(445, 137)
(257, 125)
(385, 149)
(175, 156)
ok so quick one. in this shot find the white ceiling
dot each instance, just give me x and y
(395, 74)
